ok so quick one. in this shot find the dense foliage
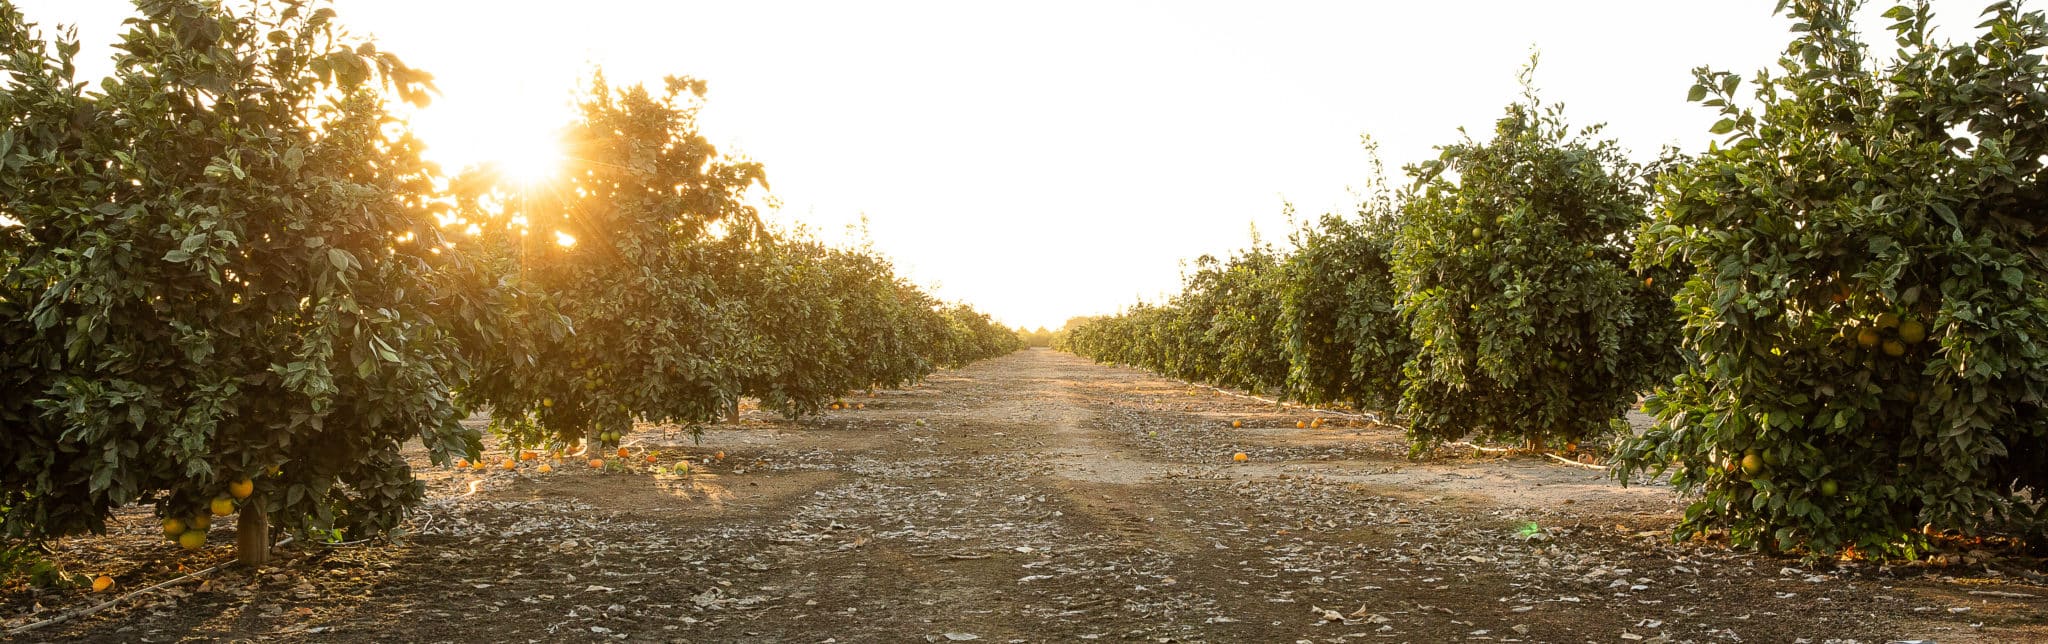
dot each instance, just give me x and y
(204, 286)
(1346, 341)
(229, 278)
(1512, 259)
(1223, 327)
(1495, 297)
(1871, 292)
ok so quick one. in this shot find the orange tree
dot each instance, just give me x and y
(1223, 327)
(1345, 339)
(641, 285)
(619, 314)
(826, 321)
(214, 293)
(1871, 293)
(1512, 258)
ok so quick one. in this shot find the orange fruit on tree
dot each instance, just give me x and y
(242, 489)
(222, 506)
(101, 583)
(199, 522)
(173, 527)
(192, 540)
(1240, 457)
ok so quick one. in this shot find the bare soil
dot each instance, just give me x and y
(1041, 498)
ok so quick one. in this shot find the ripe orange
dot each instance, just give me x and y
(1236, 424)
(1300, 425)
(650, 458)
(624, 453)
(860, 405)
(199, 522)
(173, 527)
(528, 455)
(476, 464)
(597, 462)
(102, 583)
(461, 463)
(242, 489)
(1240, 457)
(509, 464)
(720, 455)
(192, 540)
(545, 468)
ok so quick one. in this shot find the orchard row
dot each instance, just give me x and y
(1839, 311)
(226, 264)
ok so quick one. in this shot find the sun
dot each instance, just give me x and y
(529, 165)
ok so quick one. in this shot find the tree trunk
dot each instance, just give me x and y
(252, 535)
(732, 411)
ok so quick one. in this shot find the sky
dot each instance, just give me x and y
(1051, 159)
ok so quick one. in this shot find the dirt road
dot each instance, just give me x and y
(1038, 497)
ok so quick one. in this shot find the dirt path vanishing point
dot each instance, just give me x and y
(1044, 498)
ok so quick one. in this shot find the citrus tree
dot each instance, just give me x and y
(620, 314)
(1223, 328)
(640, 284)
(1512, 260)
(1345, 339)
(1871, 292)
(214, 294)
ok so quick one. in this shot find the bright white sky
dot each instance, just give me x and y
(1048, 159)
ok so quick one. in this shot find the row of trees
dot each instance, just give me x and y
(229, 278)
(1839, 309)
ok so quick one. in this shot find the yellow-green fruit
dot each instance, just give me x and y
(1751, 463)
(1867, 337)
(1894, 348)
(222, 506)
(193, 540)
(1887, 320)
(200, 523)
(173, 527)
(1912, 331)
(1829, 488)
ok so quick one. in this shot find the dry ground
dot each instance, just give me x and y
(1042, 498)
